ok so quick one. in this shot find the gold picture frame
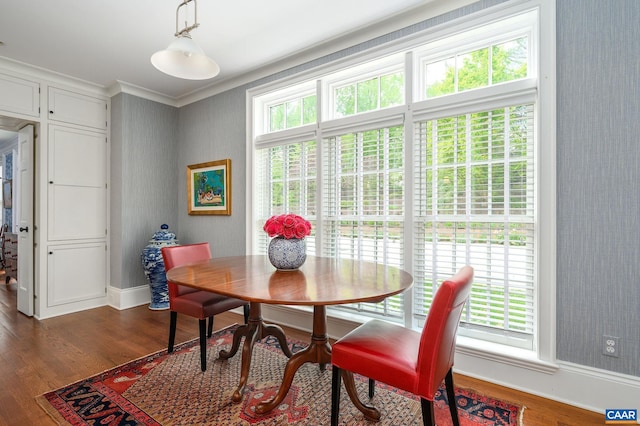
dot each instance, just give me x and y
(209, 188)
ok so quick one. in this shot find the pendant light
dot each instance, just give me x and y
(184, 58)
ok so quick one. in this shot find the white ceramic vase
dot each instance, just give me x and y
(287, 254)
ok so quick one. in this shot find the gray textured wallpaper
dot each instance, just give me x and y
(144, 181)
(598, 89)
(214, 129)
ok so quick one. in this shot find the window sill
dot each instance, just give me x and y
(504, 354)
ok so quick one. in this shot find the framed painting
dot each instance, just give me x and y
(7, 196)
(209, 188)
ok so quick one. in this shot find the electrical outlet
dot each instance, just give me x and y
(611, 346)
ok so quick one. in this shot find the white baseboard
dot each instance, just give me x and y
(116, 298)
(128, 297)
(69, 308)
(577, 385)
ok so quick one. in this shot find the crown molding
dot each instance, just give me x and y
(132, 89)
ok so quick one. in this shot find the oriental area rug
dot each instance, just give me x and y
(170, 389)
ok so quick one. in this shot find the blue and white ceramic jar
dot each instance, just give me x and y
(154, 267)
(287, 254)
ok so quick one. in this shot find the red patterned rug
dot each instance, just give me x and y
(170, 389)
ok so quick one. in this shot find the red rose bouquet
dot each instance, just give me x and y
(287, 226)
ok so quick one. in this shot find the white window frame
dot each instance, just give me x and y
(265, 101)
(543, 68)
(351, 75)
(501, 30)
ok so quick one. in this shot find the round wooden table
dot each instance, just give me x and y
(319, 282)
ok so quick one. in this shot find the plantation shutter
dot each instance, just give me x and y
(363, 203)
(286, 183)
(474, 204)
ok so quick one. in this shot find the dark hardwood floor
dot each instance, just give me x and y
(38, 356)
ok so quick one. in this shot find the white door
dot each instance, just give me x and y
(24, 202)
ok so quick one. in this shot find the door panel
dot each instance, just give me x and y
(77, 192)
(75, 108)
(76, 272)
(77, 212)
(19, 96)
(77, 157)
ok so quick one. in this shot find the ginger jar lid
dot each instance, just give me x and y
(163, 236)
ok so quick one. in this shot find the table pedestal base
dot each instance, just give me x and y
(319, 351)
(254, 330)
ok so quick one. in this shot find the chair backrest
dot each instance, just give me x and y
(181, 255)
(438, 340)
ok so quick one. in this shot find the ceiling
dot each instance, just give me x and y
(6, 135)
(106, 42)
(8, 123)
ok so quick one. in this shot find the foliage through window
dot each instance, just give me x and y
(292, 113)
(369, 95)
(498, 63)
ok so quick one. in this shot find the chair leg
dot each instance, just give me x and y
(451, 396)
(172, 330)
(372, 388)
(203, 344)
(336, 378)
(427, 412)
(246, 314)
(210, 328)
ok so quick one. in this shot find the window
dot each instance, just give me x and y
(367, 87)
(428, 184)
(363, 203)
(286, 183)
(368, 95)
(498, 63)
(474, 204)
(292, 113)
(289, 108)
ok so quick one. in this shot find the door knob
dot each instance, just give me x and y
(26, 228)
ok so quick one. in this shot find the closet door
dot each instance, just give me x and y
(75, 108)
(76, 272)
(77, 184)
(19, 96)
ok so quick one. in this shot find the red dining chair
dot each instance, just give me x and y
(190, 301)
(403, 358)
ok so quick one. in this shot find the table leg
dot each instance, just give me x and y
(255, 330)
(319, 351)
(370, 412)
